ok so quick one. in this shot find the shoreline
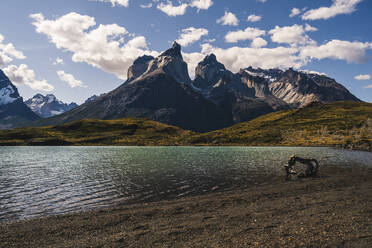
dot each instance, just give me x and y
(334, 209)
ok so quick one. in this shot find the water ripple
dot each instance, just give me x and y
(41, 181)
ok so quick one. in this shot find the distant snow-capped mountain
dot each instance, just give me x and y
(49, 105)
(13, 111)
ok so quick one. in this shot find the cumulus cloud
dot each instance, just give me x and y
(294, 12)
(58, 61)
(258, 42)
(124, 3)
(8, 52)
(292, 35)
(22, 75)
(352, 52)
(171, 10)
(146, 6)
(190, 35)
(254, 18)
(310, 28)
(201, 4)
(338, 7)
(235, 58)
(363, 77)
(102, 47)
(247, 34)
(228, 19)
(70, 79)
(192, 60)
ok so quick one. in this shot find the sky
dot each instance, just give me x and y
(77, 48)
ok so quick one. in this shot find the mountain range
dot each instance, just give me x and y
(49, 105)
(160, 89)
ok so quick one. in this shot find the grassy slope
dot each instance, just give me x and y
(129, 131)
(347, 124)
(341, 123)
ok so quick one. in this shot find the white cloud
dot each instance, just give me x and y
(8, 52)
(293, 35)
(309, 28)
(201, 4)
(58, 61)
(262, 1)
(124, 3)
(235, 58)
(22, 75)
(146, 6)
(254, 18)
(368, 86)
(294, 12)
(171, 10)
(363, 77)
(228, 19)
(192, 60)
(70, 79)
(190, 35)
(314, 72)
(338, 7)
(247, 34)
(258, 42)
(102, 47)
(352, 52)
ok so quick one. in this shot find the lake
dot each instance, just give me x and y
(41, 181)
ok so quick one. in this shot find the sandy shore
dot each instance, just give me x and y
(333, 210)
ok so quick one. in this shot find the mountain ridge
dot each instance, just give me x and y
(160, 89)
(48, 105)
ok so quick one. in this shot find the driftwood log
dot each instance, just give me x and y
(312, 167)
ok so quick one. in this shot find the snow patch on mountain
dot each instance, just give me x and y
(5, 95)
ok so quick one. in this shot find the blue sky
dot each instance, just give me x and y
(96, 40)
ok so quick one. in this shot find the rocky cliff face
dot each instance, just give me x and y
(171, 63)
(13, 112)
(139, 67)
(49, 105)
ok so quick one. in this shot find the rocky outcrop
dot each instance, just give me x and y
(49, 105)
(171, 63)
(139, 67)
(13, 111)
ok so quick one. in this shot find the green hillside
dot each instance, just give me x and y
(343, 124)
(347, 124)
(128, 131)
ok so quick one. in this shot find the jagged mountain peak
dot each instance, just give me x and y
(209, 72)
(174, 51)
(48, 105)
(171, 63)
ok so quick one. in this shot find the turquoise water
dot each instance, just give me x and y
(41, 181)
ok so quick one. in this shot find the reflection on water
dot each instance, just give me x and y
(40, 181)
